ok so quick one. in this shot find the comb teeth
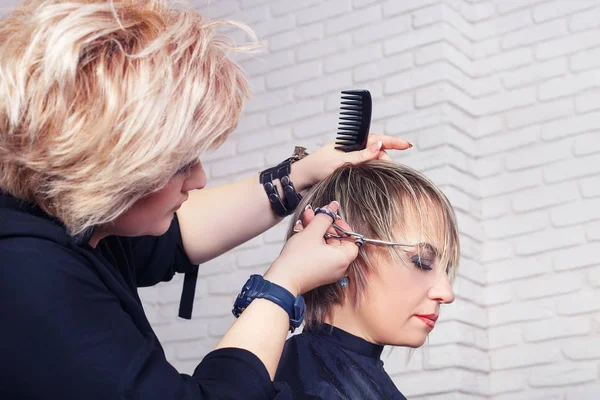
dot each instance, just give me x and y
(355, 120)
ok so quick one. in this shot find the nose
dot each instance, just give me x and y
(442, 291)
(196, 178)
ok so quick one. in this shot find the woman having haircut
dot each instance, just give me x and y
(105, 108)
(390, 294)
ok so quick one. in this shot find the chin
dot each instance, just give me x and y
(412, 342)
(160, 228)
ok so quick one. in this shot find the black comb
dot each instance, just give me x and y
(355, 120)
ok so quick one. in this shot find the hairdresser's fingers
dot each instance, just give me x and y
(321, 221)
(307, 215)
(298, 227)
(389, 142)
(383, 155)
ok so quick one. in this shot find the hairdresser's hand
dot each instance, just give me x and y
(308, 260)
(322, 162)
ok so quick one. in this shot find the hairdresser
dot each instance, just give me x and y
(105, 108)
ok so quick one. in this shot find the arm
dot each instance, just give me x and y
(206, 218)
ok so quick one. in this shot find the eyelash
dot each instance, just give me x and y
(185, 169)
(420, 264)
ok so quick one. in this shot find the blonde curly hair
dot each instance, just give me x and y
(101, 102)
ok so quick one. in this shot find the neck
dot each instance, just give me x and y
(347, 318)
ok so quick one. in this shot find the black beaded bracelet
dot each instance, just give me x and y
(278, 206)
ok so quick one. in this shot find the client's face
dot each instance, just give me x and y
(402, 301)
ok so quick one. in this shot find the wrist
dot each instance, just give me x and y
(282, 281)
(300, 175)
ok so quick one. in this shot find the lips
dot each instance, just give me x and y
(428, 319)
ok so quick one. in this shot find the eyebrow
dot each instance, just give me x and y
(428, 247)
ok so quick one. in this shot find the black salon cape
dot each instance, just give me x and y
(329, 363)
(72, 325)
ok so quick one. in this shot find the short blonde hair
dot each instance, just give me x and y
(375, 197)
(101, 102)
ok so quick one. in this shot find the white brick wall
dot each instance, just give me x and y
(501, 99)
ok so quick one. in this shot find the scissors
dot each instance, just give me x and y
(359, 239)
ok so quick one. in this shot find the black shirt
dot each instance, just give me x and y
(329, 363)
(72, 325)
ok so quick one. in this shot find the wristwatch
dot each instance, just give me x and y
(258, 288)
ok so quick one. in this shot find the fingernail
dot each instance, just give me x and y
(298, 222)
(409, 145)
(308, 207)
(376, 147)
(335, 203)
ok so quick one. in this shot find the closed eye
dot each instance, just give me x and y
(186, 168)
(421, 263)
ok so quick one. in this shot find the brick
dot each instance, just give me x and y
(588, 59)
(540, 112)
(179, 331)
(226, 150)
(508, 183)
(442, 51)
(497, 294)
(592, 231)
(195, 350)
(386, 28)
(227, 284)
(489, 125)
(505, 101)
(504, 336)
(391, 106)
(458, 356)
(215, 306)
(326, 84)
(534, 34)
(513, 226)
(550, 240)
(316, 125)
(562, 375)
(504, 61)
(466, 312)
(355, 19)
(383, 67)
(584, 301)
(556, 9)
(461, 121)
(486, 48)
(252, 15)
(263, 255)
(413, 122)
(322, 48)
(419, 384)
(556, 328)
(582, 349)
(495, 251)
(587, 101)
(541, 154)
(493, 208)
(443, 92)
(323, 11)
(571, 84)
(236, 165)
(415, 39)
(534, 73)
(507, 381)
(570, 169)
(217, 327)
(363, 3)
(279, 7)
(504, 7)
(295, 74)
(277, 234)
(353, 58)
(460, 201)
(503, 24)
(264, 139)
(295, 111)
(570, 126)
(249, 123)
(590, 187)
(525, 355)
(545, 196)
(567, 45)
(272, 62)
(594, 277)
(517, 268)
(269, 100)
(576, 213)
(393, 7)
(585, 20)
(225, 8)
(285, 40)
(583, 392)
(578, 257)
